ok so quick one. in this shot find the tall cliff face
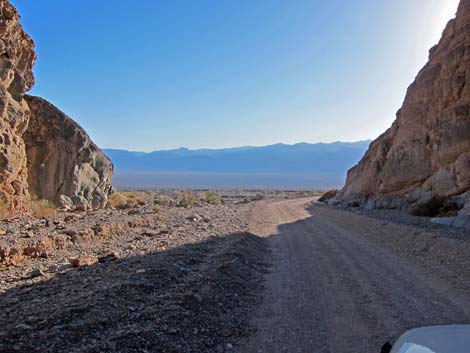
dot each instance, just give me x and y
(17, 57)
(425, 155)
(59, 158)
(62, 159)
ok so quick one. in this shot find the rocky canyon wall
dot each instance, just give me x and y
(59, 158)
(16, 77)
(423, 160)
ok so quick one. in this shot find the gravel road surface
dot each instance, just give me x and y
(346, 283)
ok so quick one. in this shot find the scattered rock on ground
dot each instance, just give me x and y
(145, 280)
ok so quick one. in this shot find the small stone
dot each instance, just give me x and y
(446, 221)
(64, 209)
(229, 346)
(28, 234)
(194, 218)
(198, 297)
(81, 208)
(84, 260)
(36, 273)
(149, 233)
(65, 201)
(107, 256)
(140, 271)
(4, 251)
(70, 232)
(70, 218)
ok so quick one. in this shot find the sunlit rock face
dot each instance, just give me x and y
(17, 57)
(58, 159)
(425, 155)
(62, 159)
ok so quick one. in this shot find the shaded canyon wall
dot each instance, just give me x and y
(423, 160)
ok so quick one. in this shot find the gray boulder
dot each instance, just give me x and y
(65, 201)
(62, 159)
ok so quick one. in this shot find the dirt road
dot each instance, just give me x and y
(345, 283)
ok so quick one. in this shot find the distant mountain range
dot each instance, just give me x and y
(327, 162)
(334, 157)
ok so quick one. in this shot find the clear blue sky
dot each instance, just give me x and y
(154, 74)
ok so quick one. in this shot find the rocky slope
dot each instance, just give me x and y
(62, 159)
(422, 163)
(59, 158)
(134, 279)
(17, 57)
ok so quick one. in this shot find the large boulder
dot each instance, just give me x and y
(423, 160)
(62, 159)
(59, 160)
(17, 57)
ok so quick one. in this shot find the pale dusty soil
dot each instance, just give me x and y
(345, 283)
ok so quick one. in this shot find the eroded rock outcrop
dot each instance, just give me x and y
(17, 57)
(423, 160)
(62, 159)
(59, 158)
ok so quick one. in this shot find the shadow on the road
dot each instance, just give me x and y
(333, 288)
(343, 282)
(193, 298)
